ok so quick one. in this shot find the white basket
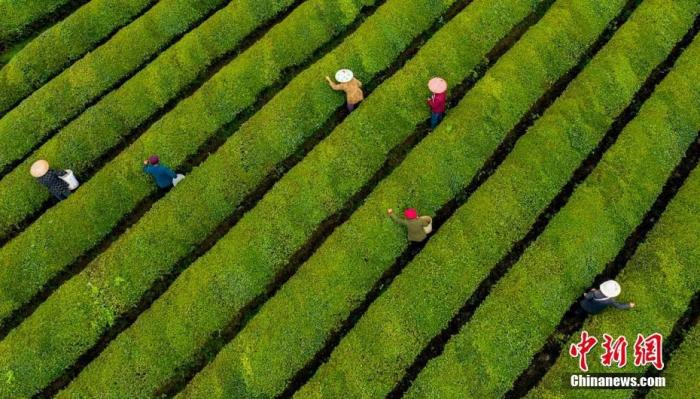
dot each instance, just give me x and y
(429, 228)
(70, 178)
(178, 179)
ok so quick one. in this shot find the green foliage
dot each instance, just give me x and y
(61, 44)
(18, 16)
(682, 372)
(270, 136)
(660, 279)
(553, 272)
(217, 286)
(115, 117)
(217, 281)
(69, 93)
(426, 295)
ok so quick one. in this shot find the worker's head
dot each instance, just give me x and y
(153, 160)
(410, 213)
(610, 288)
(39, 168)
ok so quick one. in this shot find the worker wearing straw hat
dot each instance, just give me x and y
(163, 176)
(596, 300)
(53, 180)
(350, 85)
(418, 227)
(437, 101)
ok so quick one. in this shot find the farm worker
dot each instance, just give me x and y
(418, 227)
(163, 175)
(350, 85)
(437, 86)
(595, 300)
(58, 182)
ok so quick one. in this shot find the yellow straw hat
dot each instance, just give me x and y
(39, 168)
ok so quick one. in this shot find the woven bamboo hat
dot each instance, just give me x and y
(344, 75)
(437, 85)
(39, 168)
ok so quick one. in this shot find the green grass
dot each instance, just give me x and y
(660, 279)
(72, 90)
(193, 121)
(270, 136)
(682, 372)
(62, 44)
(555, 270)
(373, 356)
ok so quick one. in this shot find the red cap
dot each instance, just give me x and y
(410, 213)
(153, 160)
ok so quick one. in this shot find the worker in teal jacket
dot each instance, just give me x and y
(162, 175)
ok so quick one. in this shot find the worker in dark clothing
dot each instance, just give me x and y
(51, 179)
(437, 101)
(163, 176)
(418, 227)
(595, 301)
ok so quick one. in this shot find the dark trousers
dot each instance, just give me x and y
(351, 107)
(61, 195)
(436, 118)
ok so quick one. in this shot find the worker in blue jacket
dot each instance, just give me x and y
(162, 175)
(595, 301)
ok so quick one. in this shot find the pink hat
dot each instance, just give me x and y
(437, 85)
(410, 213)
(153, 160)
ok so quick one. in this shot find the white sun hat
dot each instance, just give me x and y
(344, 75)
(610, 288)
(39, 168)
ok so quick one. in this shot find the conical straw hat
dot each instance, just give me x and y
(437, 85)
(344, 75)
(39, 168)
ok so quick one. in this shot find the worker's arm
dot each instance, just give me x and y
(398, 219)
(333, 85)
(621, 305)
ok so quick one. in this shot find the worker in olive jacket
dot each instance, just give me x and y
(418, 227)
